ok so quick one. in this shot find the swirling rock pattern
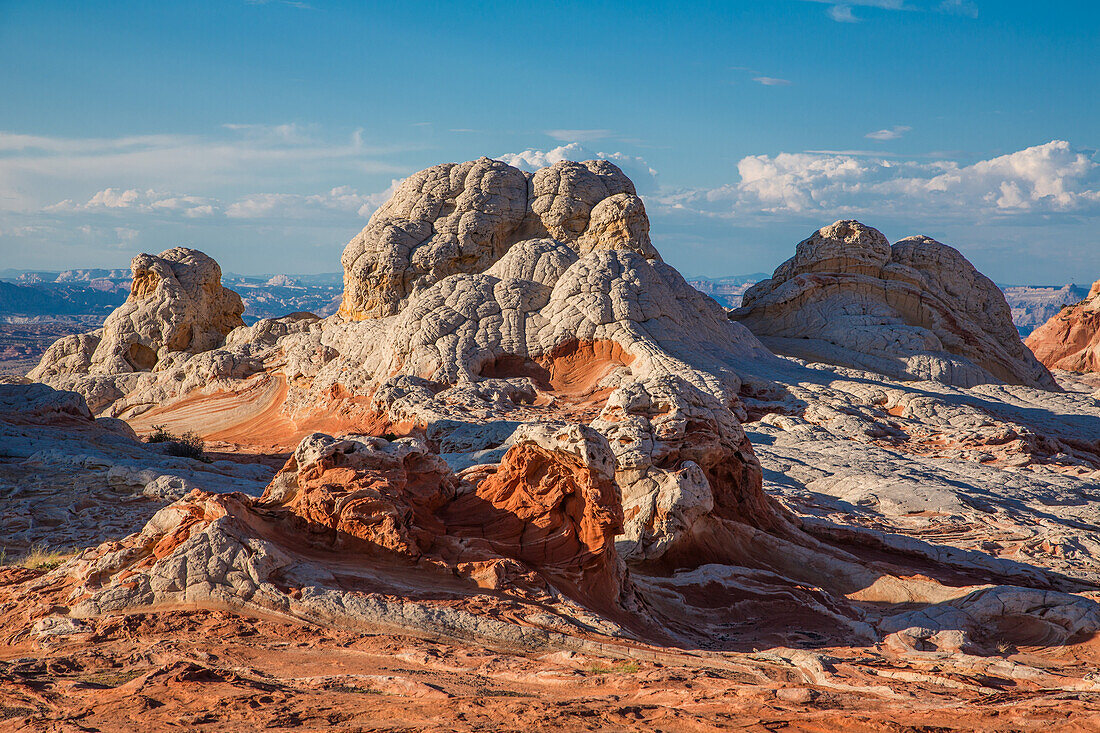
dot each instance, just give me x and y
(525, 431)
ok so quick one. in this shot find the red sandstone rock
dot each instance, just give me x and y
(1070, 340)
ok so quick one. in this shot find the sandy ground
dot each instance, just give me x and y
(217, 671)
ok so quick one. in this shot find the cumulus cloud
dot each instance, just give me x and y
(132, 201)
(892, 133)
(639, 171)
(271, 206)
(1048, 178)
(771, 81)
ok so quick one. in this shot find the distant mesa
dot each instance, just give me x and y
(281, 281)
(916, 309)
(1034, 305)
(1070, 340)
(728, 291)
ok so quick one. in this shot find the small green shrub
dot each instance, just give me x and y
(160, 434)
(188, 445)
(41, 557)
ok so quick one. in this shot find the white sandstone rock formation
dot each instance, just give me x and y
(488, 314)
(914, 310)
(461, 218)
(177, 305)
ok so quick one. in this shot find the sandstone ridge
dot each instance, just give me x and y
(916, 309)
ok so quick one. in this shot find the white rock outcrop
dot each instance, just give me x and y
(177, 305)
(461, 218)
(914, 310)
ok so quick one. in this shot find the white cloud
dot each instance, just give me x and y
(771, 81)
(37, 171)
(532, 159)
(293, 206)
(1043, 179)
(281, 206)
(843, 14)
(131, 201)
(289, 3)
(892, 133)
(639, 171)
(11, 142)
(882, 4)
(289, 133)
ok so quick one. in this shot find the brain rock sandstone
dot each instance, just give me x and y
(461, 218)
(177, 305)
(914, 310)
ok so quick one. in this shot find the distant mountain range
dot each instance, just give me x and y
(90, 294)
(727, 290)
(38, 294)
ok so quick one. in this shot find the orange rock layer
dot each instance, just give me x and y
(1071, 339)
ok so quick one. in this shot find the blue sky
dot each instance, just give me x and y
(265, 133)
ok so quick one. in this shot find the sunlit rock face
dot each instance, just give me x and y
(916, 309)
(177, 305)
(461, 218)
(1070, 340)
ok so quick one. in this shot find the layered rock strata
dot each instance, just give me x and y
(69, 480)
(916, 309)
